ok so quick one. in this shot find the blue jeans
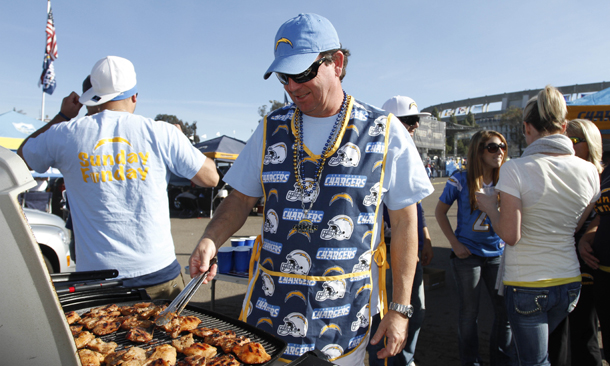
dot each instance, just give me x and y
(471, 275)
(404, 357)
(534, 313)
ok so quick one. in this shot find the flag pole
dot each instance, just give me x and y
(42, 109)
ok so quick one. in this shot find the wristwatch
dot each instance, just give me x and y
(406, 310)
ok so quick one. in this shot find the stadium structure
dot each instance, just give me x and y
(488, 110)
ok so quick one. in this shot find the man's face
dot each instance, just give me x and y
(411, 128)
(317, 97)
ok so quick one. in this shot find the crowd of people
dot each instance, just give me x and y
(338, 264)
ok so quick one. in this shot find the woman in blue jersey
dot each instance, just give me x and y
(477, 249)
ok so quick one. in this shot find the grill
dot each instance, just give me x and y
(274, 346)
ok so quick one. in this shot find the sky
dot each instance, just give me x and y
(203, 61)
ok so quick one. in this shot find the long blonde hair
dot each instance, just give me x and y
(593, 139)
(474, 174)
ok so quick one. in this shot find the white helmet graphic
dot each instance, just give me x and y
(271, 222)
(339, 228)
(332, 351)
(295, 324)
(308, 196)
(364, 262)
(362, 318)
(298, 262)
(348, 155)
(332, 290)
(268, 285)
(276, 154)
(371, 199)
(379, 126)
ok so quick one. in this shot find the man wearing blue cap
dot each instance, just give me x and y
(116, 167)
(323, 164)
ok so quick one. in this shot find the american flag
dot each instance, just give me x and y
(51, 38)
(47, 78)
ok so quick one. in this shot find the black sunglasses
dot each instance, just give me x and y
(577, 140)
(493, 147)
(409, 120)
(303, 77)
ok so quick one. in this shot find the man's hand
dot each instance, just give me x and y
(200, 259)
(70, 106)
(586, 253)
(426, 252)
(394, 327)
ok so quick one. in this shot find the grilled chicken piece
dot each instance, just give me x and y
(72, 317)
(215, 338)
(107, 326)
(186, 323)
(252, 353)
(75, 329)
(139, 335)
(195, 360)
(83, 339)
(224, 360)
(203, 332)
(89, 322)
(127, 310)
(107, 310)
(183, 342)
(102, 347)
(135, 354)
(164, 352)
(201, 349)
(158, 362)
(133, 321)
(172, 324)
(150, 312)
(228, 343)
(90, 358)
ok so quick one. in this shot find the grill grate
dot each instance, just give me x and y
(273, 345)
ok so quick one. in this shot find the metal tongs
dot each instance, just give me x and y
(183, 298)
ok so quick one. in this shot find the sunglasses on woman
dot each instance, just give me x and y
(493, 147)
(409, 120)
(303, 77)
(577, 140)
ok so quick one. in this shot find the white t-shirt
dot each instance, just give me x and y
(554, 192)
(116, 167)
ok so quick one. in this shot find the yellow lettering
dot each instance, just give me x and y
(143, 173)
(144, 158)
(106, 176)
(131, 174)
(120, 157)
(95, 160)
(83, 159)
(605, 199)
(107, 160)
(119, 174)
(132, 158)
(95, 177)
(85, 173)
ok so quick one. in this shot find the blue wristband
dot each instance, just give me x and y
(63, 116)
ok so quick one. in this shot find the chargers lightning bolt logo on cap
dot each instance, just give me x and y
(282, 40)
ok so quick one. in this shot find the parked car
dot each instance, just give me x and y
(54, 240)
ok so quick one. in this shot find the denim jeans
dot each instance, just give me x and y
(471, 275)
(404, 357)
(534, 313)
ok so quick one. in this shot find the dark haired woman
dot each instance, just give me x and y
(477, 249)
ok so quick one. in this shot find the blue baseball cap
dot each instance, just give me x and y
(299, 41)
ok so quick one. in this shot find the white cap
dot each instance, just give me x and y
(112, 78)
(402, 106)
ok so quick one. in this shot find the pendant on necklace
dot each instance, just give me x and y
(305, 226)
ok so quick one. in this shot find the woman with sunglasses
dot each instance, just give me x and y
(545, 195)
(477, 249)
(578, 332)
